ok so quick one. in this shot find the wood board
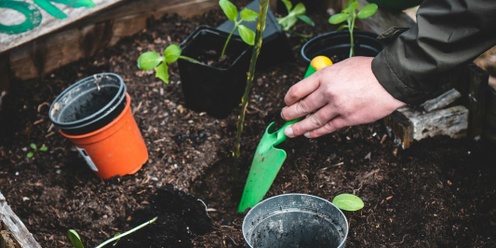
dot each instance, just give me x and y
(24, 21)
(458, 117)
(13, 229)
(70, 43)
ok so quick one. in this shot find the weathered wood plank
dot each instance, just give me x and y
(471, 83)
(408, 124)
(90, 35)
(452, 121)
(441, 101)
(476, 98)
(24, 21)
(15, 226)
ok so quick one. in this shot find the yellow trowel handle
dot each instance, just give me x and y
(317, 63)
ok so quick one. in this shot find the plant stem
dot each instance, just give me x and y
(126, 233)
(351, 28)
(189, 59)
(264, 5)
(227, 41)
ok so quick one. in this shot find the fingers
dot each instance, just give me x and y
(310, 104)
(301, 90)
(330, 127)
(321, 122)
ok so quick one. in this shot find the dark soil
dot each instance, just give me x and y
(440, 192)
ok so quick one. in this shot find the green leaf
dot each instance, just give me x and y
(348, 202)
(342, 27)
(338, 18)
(367, 11)
(288, 4)
(149, 60)
(229, 9)
(299, 9)
(75, 239)
(248, 15)
(162, 72)
(30, 155)
(43, 148)
(288, 23)
(33, 146)
(353, 6)
(247, 35)
(306, 20)
(172, 53)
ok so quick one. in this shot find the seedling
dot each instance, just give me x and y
(153, 60)
(247, 15)
(77, 243)
(349, 14)
(160, 63)
(35, 149)
(294, 14)
(348, 202)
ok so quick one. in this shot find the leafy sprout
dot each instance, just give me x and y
(294, 14)
(247, 15)
(152, 60)
(35, 149)
(160, 63)
(349, 14)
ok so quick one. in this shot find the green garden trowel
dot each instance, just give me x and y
(268, 158)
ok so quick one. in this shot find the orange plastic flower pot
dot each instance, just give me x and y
(116, 149)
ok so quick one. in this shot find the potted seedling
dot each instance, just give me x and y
(346, 41)
(276, 48)
(212, 63)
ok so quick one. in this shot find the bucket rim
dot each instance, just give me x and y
(253, 209)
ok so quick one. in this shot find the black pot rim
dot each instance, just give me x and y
(357, 33)
(119, 97)
(208, 29)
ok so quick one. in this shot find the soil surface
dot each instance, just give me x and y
(440, 192)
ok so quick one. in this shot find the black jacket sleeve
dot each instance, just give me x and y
(448, 34)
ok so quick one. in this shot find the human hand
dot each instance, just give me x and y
(344, 94)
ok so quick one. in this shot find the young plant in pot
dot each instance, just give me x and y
(341, 44)
(212, 63)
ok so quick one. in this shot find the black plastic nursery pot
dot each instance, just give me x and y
(89, 104)
(295, 220)
(336, 45)
(275, 44)
(211, 88)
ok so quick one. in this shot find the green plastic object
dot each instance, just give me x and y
(268, 159)
(265, 165)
